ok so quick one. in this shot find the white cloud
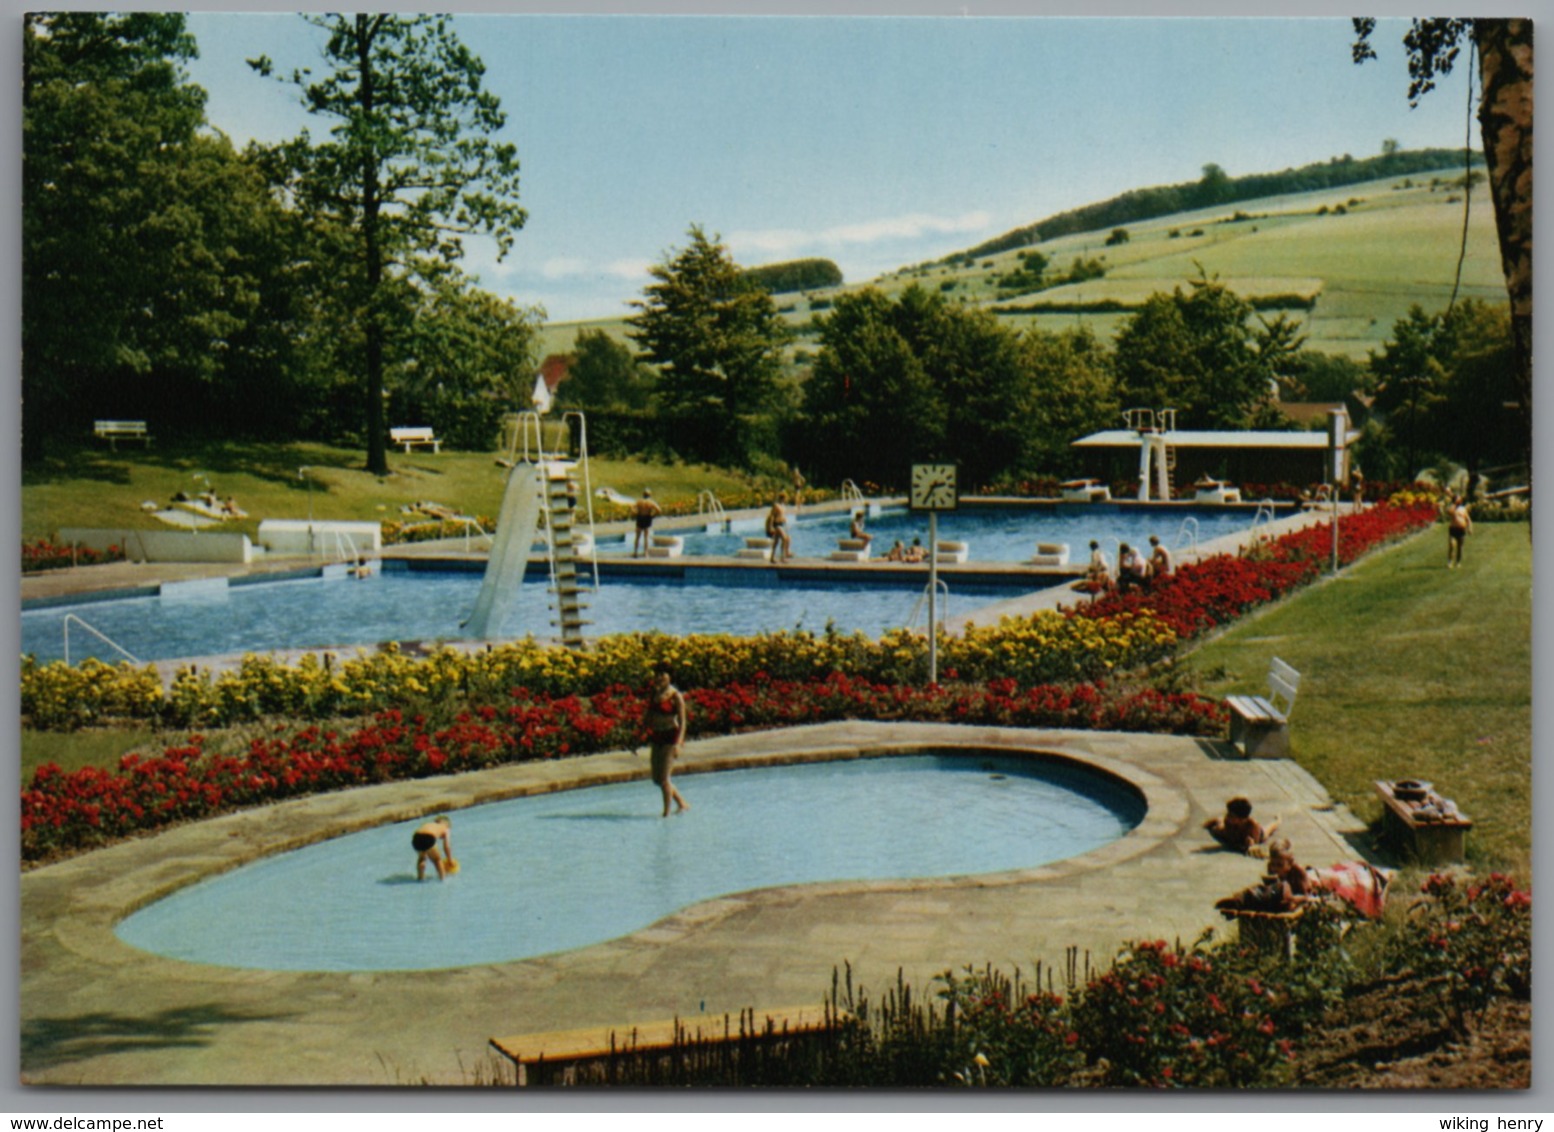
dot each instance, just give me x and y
(912, 226)
(633, 269)
(561, 267)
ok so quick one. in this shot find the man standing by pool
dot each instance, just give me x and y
(424, 842)
(666, 734)
(643, 512)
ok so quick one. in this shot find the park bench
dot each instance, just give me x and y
(1427, 827)
(114, 431)
(1260, 725)
(555, 1056)
(1272, 932)
(412, 437)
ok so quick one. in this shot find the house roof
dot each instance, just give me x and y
(554, 369)
(1190, 438)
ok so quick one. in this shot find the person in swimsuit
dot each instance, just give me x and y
(666, 732)
(856, 530)
(1236, 830)
(644, 511)
(1459, 524)
(1160, 563)
(777, 529)
(424, 842)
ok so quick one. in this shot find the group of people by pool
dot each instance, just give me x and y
(1287, 885)
(1134, 570)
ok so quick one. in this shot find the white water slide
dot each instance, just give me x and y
(516, 528)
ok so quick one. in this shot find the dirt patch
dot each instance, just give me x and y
(1390, 1035)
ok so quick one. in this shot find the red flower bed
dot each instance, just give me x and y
(1203, 595)
(63, 812)
(41, 554)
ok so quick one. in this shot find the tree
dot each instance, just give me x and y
(412, 165)
(1074, 392)
(1193, 351)
(717, 341)
(1505, 54)
(914, 379)
(604, 374)
(470, 357)
(147, 247)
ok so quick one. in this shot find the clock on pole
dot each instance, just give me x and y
(934, 487)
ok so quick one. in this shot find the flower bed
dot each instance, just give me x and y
(41, 554)
(64, 812)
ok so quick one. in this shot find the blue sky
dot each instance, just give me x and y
(876, 142)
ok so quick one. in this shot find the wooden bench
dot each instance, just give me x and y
(114, 431)
(1259, 725)
(1273, 932)
(554, 1057)
(1438, 841)
(411, 437)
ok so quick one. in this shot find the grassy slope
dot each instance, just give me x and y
(1393, 248)
(1410, 670)
(94, 487)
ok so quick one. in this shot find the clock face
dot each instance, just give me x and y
(933, 487)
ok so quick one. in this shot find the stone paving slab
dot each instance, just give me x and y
(97, 1012)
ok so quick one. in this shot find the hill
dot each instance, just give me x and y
(1347, 261)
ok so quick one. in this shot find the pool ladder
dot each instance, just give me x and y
(711, 510)
(562, 493)
(71, 618)
(942, 590)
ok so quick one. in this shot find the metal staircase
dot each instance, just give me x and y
(561, 492)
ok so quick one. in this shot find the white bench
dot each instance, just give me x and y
(1050, 554)
(952, 551)
(851, 550)
(1259, 725)
(410, 437)
(114, 431)
(666, 546)
(1084, 491)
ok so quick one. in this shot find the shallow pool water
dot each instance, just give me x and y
(561, 871)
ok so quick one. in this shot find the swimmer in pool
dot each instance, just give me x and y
(424, 842)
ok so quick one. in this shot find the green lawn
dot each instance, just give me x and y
(1410, 670)
(91, 486)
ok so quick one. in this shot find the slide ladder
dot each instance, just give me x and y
(560, 512)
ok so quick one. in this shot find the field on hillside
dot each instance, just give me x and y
(1395, 243)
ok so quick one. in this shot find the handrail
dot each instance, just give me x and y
(1188, 535)
(707, 504)
(851, 492)
(69, 617)
(922, 600)
(588, 494)
(1265, 512)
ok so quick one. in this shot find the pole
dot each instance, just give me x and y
(933, 593)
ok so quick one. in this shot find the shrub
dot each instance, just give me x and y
(41, 554)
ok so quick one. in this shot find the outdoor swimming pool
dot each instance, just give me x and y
(995, 534)
(556, 872)
(216, 619)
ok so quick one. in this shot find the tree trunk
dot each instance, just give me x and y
(1505, 117)
(377, 434)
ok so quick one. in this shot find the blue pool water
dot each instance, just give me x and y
(995, 534)
(213, 620)
(561, 871)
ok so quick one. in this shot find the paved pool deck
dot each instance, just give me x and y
(95, 1011)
